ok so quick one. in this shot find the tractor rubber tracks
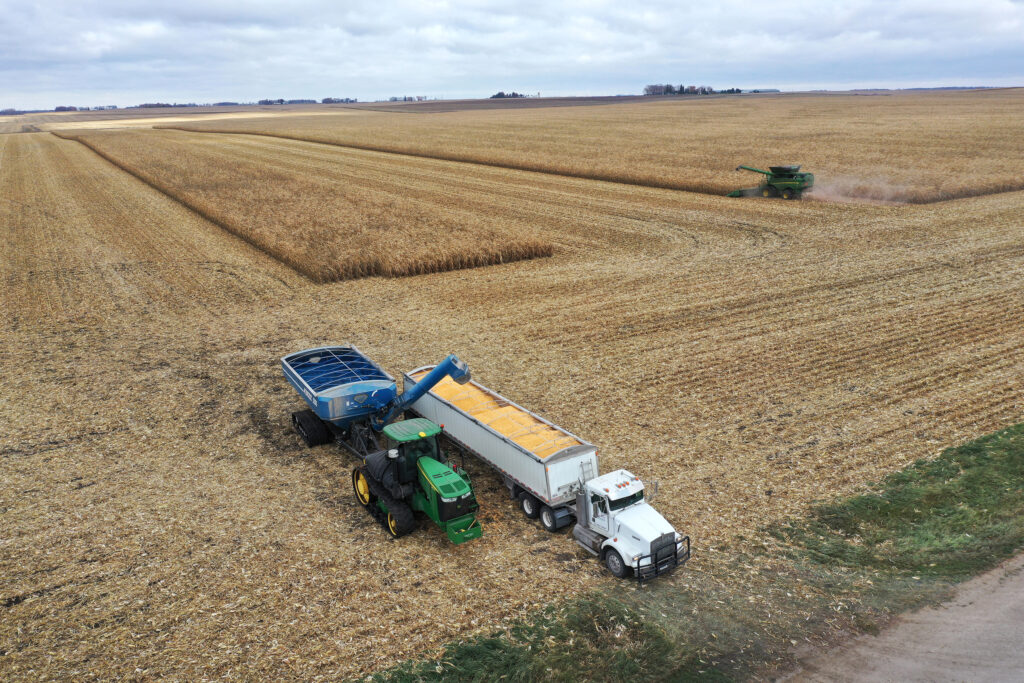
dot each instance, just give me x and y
(399, 509)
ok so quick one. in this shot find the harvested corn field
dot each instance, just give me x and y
(896, 147)
(84, 240)
(325, 229)
(162, 519)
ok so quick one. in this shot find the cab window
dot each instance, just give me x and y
(415, 450)
(627, 501)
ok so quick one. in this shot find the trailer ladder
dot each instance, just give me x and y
(587, 470)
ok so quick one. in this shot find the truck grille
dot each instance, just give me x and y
(665, 555)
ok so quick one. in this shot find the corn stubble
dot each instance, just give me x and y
(326, 230)
(753, 356)
(894, 147)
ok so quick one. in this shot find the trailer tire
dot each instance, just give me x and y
(615, 565)
(311, 428)
(529, 505)
(400, 520)
(548, 520)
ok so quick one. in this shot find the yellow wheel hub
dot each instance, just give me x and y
(362, 489)
(392, 524)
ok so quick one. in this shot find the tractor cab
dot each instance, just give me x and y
(413, 439)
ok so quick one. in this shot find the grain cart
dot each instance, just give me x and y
(779, 181)
(553, 474)
(353, 402)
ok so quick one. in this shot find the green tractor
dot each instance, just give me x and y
(413, 475)
(779, 181)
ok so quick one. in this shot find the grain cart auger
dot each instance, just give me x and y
(779, 181)
(403, 471)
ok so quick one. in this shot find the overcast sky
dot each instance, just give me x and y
(93, 52)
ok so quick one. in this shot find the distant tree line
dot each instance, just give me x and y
(326, 100)
(669, 89)
(502, 94)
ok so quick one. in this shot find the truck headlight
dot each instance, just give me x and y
(448, 500)
(466, 495)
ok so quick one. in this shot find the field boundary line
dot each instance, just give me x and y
(603, 177)
(197, 210)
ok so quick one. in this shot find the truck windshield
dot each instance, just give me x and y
(626, 502)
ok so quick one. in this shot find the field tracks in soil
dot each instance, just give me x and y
(86, 239)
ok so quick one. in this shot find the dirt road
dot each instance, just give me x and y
(977, 636)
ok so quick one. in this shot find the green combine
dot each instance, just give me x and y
(779, 181)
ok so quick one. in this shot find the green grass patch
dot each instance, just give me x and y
(849, 565)
(949, 518)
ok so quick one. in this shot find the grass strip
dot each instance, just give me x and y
(849, 565)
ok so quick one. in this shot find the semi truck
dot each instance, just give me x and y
(402, 471)
(554, 475)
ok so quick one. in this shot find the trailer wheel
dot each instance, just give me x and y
(529, 505)
(400, 520)
(548, 519)
(362, 488)
(615, 565)
(788, 194)
(312, 430)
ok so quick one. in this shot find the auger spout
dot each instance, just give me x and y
(449, 367)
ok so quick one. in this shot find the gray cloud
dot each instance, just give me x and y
(118, 52)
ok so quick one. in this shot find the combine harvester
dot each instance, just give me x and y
(779, 181)
(553, 474)
(355, 403)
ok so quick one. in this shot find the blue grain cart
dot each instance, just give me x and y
(355, 403)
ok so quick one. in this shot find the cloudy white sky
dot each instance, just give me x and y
(92, 52)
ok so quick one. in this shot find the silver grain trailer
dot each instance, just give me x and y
(554, 475)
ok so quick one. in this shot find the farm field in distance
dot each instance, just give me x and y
(751, 355)
(326, 218)
(898, 147)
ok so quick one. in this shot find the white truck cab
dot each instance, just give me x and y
(614, 522)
